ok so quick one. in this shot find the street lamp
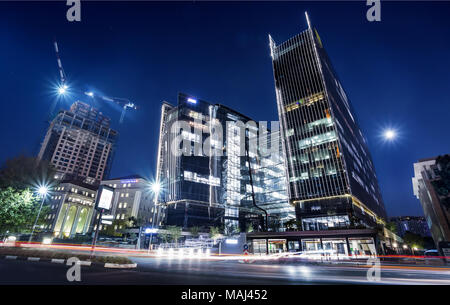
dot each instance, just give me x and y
(62, 89)
(155, 187)
(389, 134)
(42, 191)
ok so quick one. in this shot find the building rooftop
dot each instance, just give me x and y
(135, 176)
(80, 183)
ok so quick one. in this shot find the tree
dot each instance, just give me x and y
(231, 229)
(214, 233)
(164, 235)
(392, 226)
(18, 210)
(414, 240)
(175, 233)
(194, 231)
(23, 172)
(249, 228)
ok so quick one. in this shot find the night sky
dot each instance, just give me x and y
(395, 72)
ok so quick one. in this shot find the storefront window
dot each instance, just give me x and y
(277, 245)
(294, 245)
(259, 246)
(362, 246)
(312, 244)
(337, 246)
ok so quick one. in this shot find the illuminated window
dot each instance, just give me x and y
(317, 140)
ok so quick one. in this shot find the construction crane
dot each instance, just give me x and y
(123, 102)
(63, 88)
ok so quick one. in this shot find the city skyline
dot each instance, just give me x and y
(249, 87)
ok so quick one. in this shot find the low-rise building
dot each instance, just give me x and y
(71, 208)
(132, 198)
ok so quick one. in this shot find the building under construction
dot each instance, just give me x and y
(80, 144)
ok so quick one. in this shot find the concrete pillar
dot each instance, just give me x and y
(64, 221)
(88, 220)
(75, 222)
(348, 246)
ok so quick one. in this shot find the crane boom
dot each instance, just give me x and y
(123, 102)
(62, 74)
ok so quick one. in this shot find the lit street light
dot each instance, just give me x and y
(42, 191)
(62, 89)
(389, 134)
(156, 189)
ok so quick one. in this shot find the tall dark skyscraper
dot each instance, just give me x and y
(331, 176)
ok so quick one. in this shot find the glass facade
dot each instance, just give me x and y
(212, 187)
(328, 165)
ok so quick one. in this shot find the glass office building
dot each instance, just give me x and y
(331, 176)
(210, 184)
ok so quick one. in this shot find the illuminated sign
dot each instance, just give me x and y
(150, 230)
(128, 181)
(104, 199)
(191, 100)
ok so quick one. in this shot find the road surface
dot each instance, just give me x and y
(153, 271)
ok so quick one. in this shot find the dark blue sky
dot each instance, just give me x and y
(396, 72)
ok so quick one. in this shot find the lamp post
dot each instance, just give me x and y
(43, 190)
(156, 189)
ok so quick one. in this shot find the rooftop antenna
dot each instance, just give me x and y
(307, 20)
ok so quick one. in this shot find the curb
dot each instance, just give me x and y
(34, 259)
(82, 263)
(109, 265)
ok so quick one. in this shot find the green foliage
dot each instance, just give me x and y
(44, 254)
(175, 233)
(293, 224)
(214, 232)
(18, 210)
(121, 224)
(250, 228)
(414, 240)
(392, 226)
(164, 236)
(194, 231)
(132, 222)
(231, 229)
(20, 176)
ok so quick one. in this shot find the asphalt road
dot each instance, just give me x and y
(153, 271)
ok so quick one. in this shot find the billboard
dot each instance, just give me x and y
(104, 198)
